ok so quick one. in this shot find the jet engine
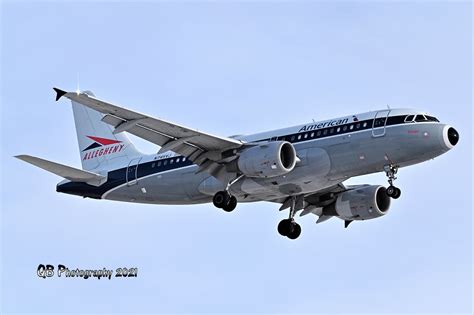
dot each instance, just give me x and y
(363, 203)
(269, 159)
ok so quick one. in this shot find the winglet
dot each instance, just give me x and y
(59, 93)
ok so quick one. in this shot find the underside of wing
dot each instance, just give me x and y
(313, 203)
(349, 203)
(205, 150)
(316, 199)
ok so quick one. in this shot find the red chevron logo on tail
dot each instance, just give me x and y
(99, 142)
(113, 146)
(103, 141)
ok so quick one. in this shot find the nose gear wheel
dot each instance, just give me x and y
(392, 191)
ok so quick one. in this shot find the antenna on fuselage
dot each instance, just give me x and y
(388, 107)
(78, 90)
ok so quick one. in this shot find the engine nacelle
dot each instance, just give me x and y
(364, 203)
(270, 159)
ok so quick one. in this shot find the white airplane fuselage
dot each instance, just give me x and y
(329, 153)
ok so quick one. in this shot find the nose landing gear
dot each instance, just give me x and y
(288, 227)
(392, 191)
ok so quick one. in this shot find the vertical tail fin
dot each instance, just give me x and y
(99, 148)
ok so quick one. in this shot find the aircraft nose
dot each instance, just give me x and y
(450, 137)
(453, 136)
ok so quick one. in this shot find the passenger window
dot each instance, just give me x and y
(325, 132)
(338, 129)
(318, 133)
(299, 137)
(365, 125)
(379, 122)
(344, 128)
(292, 138)
(305, 135)
(331, 131)
(165, 162)
(159, 163)
(312, 135)
(357, 126)
(152, 165)
(171, 161)
(351, 127)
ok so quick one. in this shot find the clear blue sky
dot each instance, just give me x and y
(227, 69)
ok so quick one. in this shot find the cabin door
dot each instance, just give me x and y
(380, 123)
(132, 172)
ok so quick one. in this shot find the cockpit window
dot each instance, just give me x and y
(420, 118)
(431, 118)
(409, 118)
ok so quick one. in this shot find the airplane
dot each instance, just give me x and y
(302, 168)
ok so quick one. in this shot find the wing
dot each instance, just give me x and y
(314, 202)
(206, 150)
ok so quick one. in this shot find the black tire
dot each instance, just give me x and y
(296, 231)
(397, 194)
(221, 199)
(284, 227)
(231, 204)
(391, 190)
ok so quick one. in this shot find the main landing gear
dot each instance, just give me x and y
(392, 191)
(224, 200)
(288, 227)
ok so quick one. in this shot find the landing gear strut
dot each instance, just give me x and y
(224, 200)
(392, 191)
(288, 227)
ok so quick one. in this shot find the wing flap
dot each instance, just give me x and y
(68, 172)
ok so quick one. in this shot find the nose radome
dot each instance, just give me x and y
(450, 137)
(453, 136)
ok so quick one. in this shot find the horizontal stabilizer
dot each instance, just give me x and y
(71, 173)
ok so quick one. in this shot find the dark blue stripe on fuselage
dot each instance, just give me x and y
(119, 177)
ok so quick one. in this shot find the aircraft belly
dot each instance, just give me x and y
(322, 163)
(165, 188)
